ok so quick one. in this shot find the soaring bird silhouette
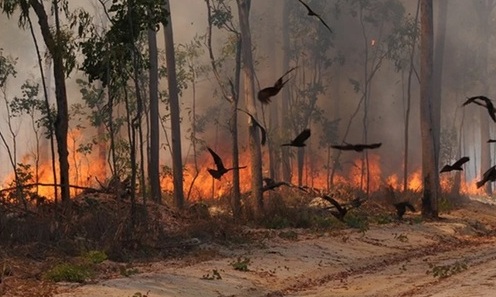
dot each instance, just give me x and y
(262, 129)
(489, 175)
(341, 210)
(265, 94)
(221, 170)
(356, 147)
(299, 141)
(401, 208)
(271, 184)
(486, 102)
(312, 13)
(456, 166)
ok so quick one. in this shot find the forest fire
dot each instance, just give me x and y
(88, 170)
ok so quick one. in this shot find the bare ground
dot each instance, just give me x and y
(455, 256)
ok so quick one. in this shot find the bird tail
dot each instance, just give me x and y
(480, 183)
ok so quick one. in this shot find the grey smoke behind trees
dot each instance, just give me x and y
(386, 120)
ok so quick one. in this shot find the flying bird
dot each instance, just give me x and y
(486, 102)
(456, 166)
(401, 208)
(489, 175)
(341, 210)
(262, 129)
(356, 147)
(265, 94)
(491, 140)
(299, 141)
(221, 170)
(312, 13)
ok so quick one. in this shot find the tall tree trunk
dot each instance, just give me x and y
(61, 124)
(484, 10)
(177, 162)
(154, 156)
(284, 110)
(409, 103)
(236, 194)
(249, 93)
(437, 74)
(430, 175)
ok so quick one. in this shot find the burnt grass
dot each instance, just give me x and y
(35, 238)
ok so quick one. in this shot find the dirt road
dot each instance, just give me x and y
(452, 257)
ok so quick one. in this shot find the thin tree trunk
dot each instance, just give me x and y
(61, 124)
(249, 93)
(154, 157)
(177, 162)
(286, 172)
(409, 103)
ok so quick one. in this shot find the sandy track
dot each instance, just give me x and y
(387, 260)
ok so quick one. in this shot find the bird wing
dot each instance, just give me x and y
(491, 140)
(347, 147)
(302, 136)
(461, 161)
(262, 129)
(473, 100)
(490, 109)
(374, 145)
(324, 23)
(217, 159)
(446, 168)
(310, 11)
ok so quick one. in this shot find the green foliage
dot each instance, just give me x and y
(111, 57)
(241, 264)
(444, 271)
(357, 221)
(68, 272)
(7, 68)
(384, 218)
(95, 257)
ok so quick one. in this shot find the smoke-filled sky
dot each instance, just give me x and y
(387, 91)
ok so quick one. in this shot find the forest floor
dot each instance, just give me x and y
(454, 256)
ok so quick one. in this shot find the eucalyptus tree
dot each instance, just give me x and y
(403, 43)
(61, 48)
(430, 158)
(311, 49)
(249, 95)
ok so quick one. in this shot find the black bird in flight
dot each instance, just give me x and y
(456, 166)
(491, 140)
(356, 147)
(262, 129)
(486, 102)
(221, 170)
(265, 94)
(312, 13)
(401, 208)
(489, 175)
(340, 212)
(299, 141)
